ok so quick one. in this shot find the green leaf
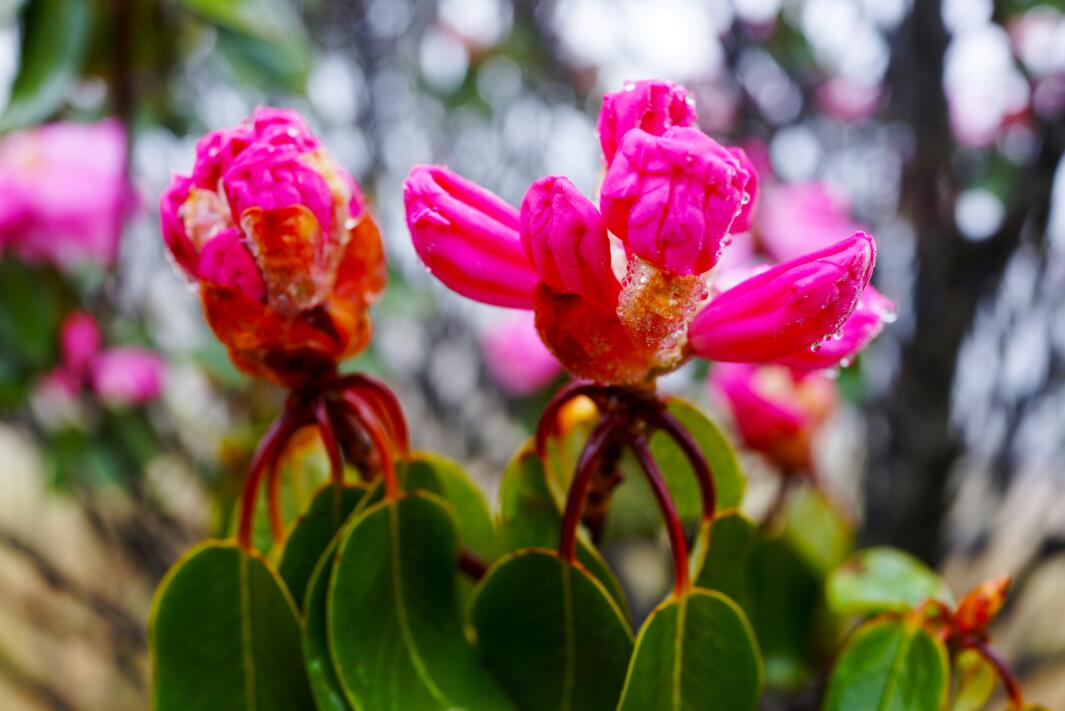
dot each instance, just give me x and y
(696, 651)
(726, 567)
(883, 580)
(53, 40)
(974, 681)
(889, 665)
(395, 629)
(530, 518)
(32, 302)
(817, 529)
(224, 635)
(445, 478)
(328, 694)
(313, 531)
(551, 633)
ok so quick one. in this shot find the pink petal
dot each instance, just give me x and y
(174, 234)
(743, 221)
(226, 261)
(867, 321)
(566, 240)
(468, 238)
(653, 106)
(791, 306)
(672, 198)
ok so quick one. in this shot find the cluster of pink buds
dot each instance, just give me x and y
(626, 291)
(277, 235)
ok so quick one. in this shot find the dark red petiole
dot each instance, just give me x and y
(674, 528)
(369, 422)
(664, 421)
(1013, 687)
(329, 440)
(381, 398)
(578, 490)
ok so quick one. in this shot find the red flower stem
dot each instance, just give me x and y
(276, 437)
(1013, 687)
(472, 565)
(578, 489)
(679, 433)
(329, 440)
(273, 497)
(385, 401)
(368, 420)
(548, 424)
(674, 528)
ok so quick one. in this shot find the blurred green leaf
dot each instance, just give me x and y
(726, 567)
(551, 634)
(395, 629)
(223, 635)
(974, 681)
(314, 529)
(53, 40)
(696, 651)
(883, 580)
(529, 518)
(817, 529)
(889, 665)
(32, 304)
(325, 684)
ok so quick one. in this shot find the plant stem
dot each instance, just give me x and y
(472, 565)
(674, 528)
(273, 498)
(368, 420)
(1013, 687)
(329, 440)
(679, 433)
(278, 434)
(384, 401)
(578, 489)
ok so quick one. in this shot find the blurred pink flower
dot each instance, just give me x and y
(79, 340)
(776, 412)
(127, 376)
(516, 358)
(65, 192)
(796, 218)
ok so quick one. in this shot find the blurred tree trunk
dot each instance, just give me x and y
(912, 443)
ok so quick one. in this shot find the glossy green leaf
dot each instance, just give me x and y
(726, 566)
(817, 529)
(312, 533)
(694, 652)
(551, 634)
(224, 635)
(974, 681)
(889, 665)
(328, 694)
(445, 478)
(54, 37)
(394, 626)
(883, 580)
(530, 518)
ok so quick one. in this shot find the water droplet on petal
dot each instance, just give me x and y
(629, 86)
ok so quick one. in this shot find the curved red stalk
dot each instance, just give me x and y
(682, 584)
(385, 401)
(664, 421)
(275, 438)
(578, 490)
(329, 440)
(549, 418)
(1013, 687)
(273, 497)
(369, 421)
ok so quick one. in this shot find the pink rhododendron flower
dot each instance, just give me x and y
(79, 340)
(127, 376)
(516, 357)
(65, 192)
(623, 296)
(776, 412)
(653, 106)
(796, 218)
(278, 237)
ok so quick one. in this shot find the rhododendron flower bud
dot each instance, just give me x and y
(79, 340)
(873, 311)
(981, 605)
(277, 235)
(566, 241)
(468, 237)
(672, 198)
(797, 218)
(516, 357)
(743, 221)
(776, 412)
(791, 306)
(653, 106)
(65, 192)
(127, 376)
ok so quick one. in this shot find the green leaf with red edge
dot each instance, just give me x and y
(529, 517)
(695, 651)
(394, 626)
(550, 633)
(313, 531)
(889, 665)
(974, 681)
(223, 633)
(883, 580)
(325, 684)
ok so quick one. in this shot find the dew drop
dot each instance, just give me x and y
(746, 198)
(629, 86)
(815, 346)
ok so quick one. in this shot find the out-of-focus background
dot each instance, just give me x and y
(939, 125)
